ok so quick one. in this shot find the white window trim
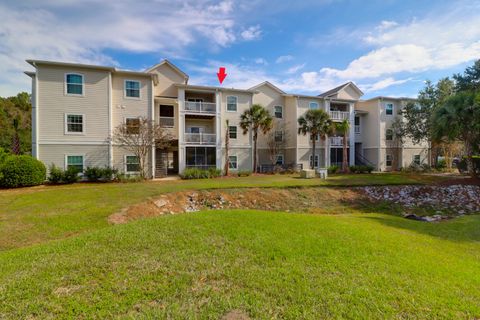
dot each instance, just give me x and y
(226, 104)
(386, 160)
(125, 163)
(229, 162)
(65, 84)
(275, 111)
(393, 109)
(125, 89)
(359, 126)
(309, 105)
(66, 125)
(229, 133)
(65, 165)
(318, 160)
(275, 135)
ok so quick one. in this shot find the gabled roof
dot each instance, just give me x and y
(335, 90)
(267, 83)
(171, 65)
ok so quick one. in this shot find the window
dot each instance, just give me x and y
(195, 130)
(74, 83)
(132, 164)
(279, 161)
(278, 136)
(313, 105)
(416, 159)
(389, 109)
(388, 160)
(74, 123)
(167, 116)
(195, 100)
(317, 137)
(232, 132)
(278, 112)
(231, 103)
(389, 135)
(132, 89)
(133, 125)
(75, 162)
(357, 125)
(316, 161)
(232, 162)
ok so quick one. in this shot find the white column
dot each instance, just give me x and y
(34, 101)
(352, 134)
(218, 129)
(181, 130)
(152, 116)
(327, 151)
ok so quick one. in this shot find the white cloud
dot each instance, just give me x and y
(295, 68)
(382, 84)
(261, 61)
(385, 24)
(252, 33)
(283, 59)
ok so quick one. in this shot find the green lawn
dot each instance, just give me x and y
(265, 264)
(35, 215)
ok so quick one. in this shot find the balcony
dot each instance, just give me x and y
(200, 107)
(339, 115)
(357, 129)
(200, 138)
(167, 122)
(336, 141)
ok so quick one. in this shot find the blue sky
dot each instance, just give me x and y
(385, 47)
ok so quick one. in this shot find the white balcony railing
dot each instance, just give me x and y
(200, 107)
(339, 115)
(200, 138)
(167, 122)
(357, 129)
(336, 141)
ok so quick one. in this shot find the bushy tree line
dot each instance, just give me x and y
(448, 114)
(16, 124)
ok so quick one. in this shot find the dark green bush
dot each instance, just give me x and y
(56, 175)
(96, 174)
(196, 173)
(333, 169)
(71, 175)
(462, 165)
(361, 169)
(21, 171)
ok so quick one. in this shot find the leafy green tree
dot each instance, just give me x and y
(256, 119)
(469, 80)
(343, 128)
(11, 108)
(317, 123)
(459, 119)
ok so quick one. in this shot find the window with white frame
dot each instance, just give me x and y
(279, 160)
(74, 123)
(388, 160)
(389, 135)
(232, 162)
(389, 109)
(315, 165)
(278, 112)
(416, 159)
(231, 103)
(132, 164)
(313, 105)
(74, 84)
(232, 132)
(278, 136)
(357, 125)
(75, 161)
(132, 89)
(133, 125)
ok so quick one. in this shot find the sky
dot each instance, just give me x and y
(386, 47)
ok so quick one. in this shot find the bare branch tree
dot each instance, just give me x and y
(276, 141)
(397, 141)
(139, 136)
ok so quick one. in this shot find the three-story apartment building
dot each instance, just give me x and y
(76, 108)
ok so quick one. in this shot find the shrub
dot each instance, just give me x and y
(361, 169)
(333, 169)
(196, 173)
(441, 164)
(96, 174)
(462, 165)
(71, 175)
(56, 174)
(244, 173)
(125, 178)
(21, 171)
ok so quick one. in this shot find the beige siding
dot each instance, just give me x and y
(124, 107)
(167, 78)
(243, 103)
(119, 154)
(54, 103)
(94, 155)
(244, 158)
(304, 141)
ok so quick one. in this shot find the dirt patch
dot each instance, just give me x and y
(236, 315)
(315, 200)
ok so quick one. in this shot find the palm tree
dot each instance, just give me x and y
(256, 118)
(318, 124)
(343, 128)
(458, 119)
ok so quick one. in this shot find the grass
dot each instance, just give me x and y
(265, 264)
(36, 215)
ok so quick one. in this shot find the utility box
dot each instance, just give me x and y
(307, 174)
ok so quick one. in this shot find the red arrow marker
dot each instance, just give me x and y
(221, 74)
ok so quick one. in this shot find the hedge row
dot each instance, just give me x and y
(20, 171)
